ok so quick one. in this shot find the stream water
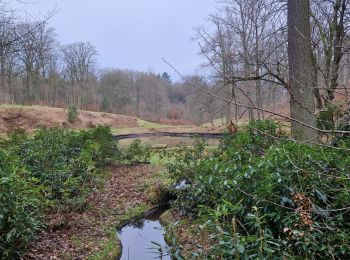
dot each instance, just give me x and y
(144, 239)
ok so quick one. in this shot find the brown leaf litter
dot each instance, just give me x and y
(83, 234)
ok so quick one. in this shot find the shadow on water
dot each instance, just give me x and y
(144, 238)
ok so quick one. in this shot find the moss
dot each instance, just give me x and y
(112, 249)
(166, 220)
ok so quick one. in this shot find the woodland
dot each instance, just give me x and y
(277, 187)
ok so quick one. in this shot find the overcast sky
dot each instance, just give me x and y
(130, 34)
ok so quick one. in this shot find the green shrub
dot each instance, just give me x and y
(72, 114)
(262, 196)
(107, 147)
(136, 152)
(65, 161)
(20, 203)
(50, 170)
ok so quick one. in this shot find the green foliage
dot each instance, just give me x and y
(65, 161)
(52, 169)
(329, 117)
(136, 152)
(72, 114)
(48, 171)
(263, 196)
(107, 149)
(19, 206)
(325, 120)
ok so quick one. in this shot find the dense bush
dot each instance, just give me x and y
(136, 152)
(20, 202)
(65, 161)
(261, 195)
(52, 169)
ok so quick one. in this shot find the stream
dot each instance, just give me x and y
(144, 238)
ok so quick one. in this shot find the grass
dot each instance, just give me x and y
(218, 123)
(162, 159)
(20, 106)
(142, 124)
(122, 130)
(147, 124)
(161, 176)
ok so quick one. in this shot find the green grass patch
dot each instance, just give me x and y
(147, 124)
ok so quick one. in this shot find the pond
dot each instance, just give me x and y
(144, 238)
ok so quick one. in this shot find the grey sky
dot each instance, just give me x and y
(133, 34)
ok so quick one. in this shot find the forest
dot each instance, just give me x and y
(247, 158)
(37, 69)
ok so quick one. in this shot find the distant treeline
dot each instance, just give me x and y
(36, 69)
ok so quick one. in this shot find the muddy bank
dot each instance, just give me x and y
(92, 233)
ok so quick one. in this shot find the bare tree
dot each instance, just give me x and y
(246, 44)
(34, 45)
(79, 61)
(79, 68)
(7, 27)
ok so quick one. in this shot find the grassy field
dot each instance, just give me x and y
(147, 124)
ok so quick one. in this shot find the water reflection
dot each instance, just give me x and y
(144, 239)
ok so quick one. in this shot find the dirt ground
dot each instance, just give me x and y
(84, 234)
(31, 118)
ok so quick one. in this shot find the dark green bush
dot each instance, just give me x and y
(263, 196)
(52, 169)
(136, 152)
(65, 161)
(20, 204)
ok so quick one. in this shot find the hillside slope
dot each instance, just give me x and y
(32, 117)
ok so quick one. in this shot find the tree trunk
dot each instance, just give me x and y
(301, 83)
(338, 27)
(258, 98)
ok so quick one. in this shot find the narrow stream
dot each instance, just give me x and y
(144, 239)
